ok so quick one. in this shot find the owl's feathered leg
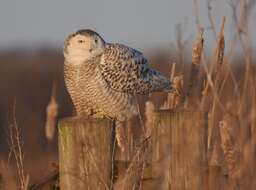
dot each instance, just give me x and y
(120, 134)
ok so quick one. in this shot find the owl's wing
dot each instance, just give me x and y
(126, 70)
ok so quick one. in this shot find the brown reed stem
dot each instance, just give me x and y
(194, 82)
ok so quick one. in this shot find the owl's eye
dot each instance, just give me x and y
(80, 41)
(96, 41)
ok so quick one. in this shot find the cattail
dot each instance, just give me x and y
(219, 53)
(173, 100)
(221, 45)
(52, 113)
(195, 66)
(228, 147)
(197, 49)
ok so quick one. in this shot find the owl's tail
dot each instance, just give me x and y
(163, 84)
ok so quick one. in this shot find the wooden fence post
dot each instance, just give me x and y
(85, 153)
(179, 149)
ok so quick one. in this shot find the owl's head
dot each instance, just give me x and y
(83, 45)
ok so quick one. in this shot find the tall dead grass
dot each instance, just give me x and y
(211, 86)
(16, 150)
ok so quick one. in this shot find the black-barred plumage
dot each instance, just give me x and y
(103, 78)
(127, 70)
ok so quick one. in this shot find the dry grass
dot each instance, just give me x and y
(225, 91)
(16, 149)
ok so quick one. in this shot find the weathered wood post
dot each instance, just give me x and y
(85, 154)
(179, 149)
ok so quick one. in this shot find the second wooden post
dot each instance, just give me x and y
(179, 146)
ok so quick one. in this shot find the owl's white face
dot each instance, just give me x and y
(83, 46)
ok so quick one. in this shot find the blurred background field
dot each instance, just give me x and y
(31, 64)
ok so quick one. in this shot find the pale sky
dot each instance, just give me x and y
(138, 23)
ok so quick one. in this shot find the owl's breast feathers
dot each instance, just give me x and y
(91, 94)
(127, 70)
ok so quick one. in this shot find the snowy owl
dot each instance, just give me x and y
(103, 78)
